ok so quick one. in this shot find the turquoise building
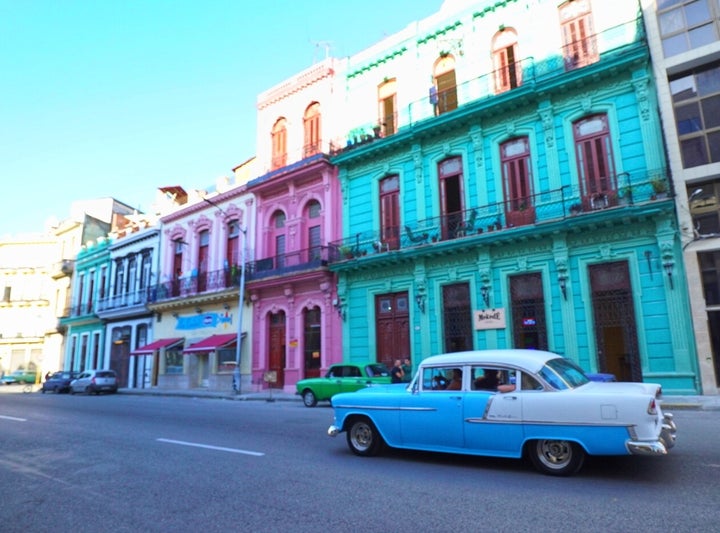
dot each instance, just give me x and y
(85, 331)
(505, 184)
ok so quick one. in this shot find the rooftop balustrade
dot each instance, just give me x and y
(523, 76)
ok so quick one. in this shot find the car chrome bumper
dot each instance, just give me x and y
(668, 434)
(333, 431)
(661, 446)
(655, 447)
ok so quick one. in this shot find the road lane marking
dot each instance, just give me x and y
(209, 447)
(13, 418)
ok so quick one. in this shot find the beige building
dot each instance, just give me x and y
(684, 39)
(28, 317)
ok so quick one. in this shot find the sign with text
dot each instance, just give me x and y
(490, 319)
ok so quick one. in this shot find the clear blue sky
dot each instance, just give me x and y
(116, 98)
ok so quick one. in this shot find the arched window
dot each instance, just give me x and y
(278, 235)
(314, 235)
(450, 175)
(508, 72)
(596, 168)
(390, 212)
(387, 107)
(203, 258)
(579, 41)
(517, 185)
(311, 124)
(279, 144)
(443, 94)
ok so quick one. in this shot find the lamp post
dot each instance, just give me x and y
(241, 292)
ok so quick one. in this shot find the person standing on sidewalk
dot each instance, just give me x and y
(407, 370)
(397, 374)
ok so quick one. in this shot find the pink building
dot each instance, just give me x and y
(296, 324)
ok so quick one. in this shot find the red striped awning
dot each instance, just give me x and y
(156, 345)
(212, 343)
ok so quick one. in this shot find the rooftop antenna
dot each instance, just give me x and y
(318, 44)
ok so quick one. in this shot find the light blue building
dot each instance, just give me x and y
(505, 185)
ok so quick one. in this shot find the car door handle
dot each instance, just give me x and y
(456, 397)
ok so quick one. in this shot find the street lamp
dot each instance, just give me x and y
(241, 303)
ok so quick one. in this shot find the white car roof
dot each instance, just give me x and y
(532, 360)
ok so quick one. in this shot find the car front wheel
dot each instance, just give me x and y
(309, 398)
(363, 438)
(556, 457)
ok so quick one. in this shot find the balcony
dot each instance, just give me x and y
(122, 301)
(62, 268)
(289, 263)
(205, 283)
(500, 218)
(496, 90)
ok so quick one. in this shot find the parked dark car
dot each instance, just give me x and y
(59, 382)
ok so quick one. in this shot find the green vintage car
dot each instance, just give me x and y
(20, 376)
(345, 377)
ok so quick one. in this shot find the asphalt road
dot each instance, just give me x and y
(130, 463)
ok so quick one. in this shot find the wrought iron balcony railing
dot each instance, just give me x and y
(620, 193)
(196, 284)
(289, 262)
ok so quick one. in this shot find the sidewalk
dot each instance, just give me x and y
(669, 403)
(263, 395)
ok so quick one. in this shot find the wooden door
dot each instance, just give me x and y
(392, 324)
(277, 347)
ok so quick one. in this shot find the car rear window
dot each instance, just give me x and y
(106, 374)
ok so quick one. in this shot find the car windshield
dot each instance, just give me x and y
(378, 369)
(563, 374)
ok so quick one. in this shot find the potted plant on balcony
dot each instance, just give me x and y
(625, 195)
(576, 208)
(660, 187)
(346, 252)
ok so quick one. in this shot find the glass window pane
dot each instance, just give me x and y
(694, 152)
(687, 118)
(708, 82)
(697, 13)
(683, 88)
(671, 22)
(675, 45)
(714, 142)
(662, 4)
(702, 35)
(711, 111)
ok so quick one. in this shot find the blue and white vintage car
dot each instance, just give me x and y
(507, 403)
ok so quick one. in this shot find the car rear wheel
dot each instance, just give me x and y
(363, 438)
(556, 457)
(309, 398)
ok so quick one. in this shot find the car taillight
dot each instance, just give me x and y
(652, 407)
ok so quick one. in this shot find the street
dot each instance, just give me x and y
(121, 463)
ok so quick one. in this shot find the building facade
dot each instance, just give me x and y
(296, 327)
(684, 40)
(505, 185)
(126, 280)
(201, 316)
(28, 305)
(85, 331)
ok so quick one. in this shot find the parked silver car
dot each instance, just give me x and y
(95, 382)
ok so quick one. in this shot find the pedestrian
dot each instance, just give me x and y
(397, 374)
(407, 370)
